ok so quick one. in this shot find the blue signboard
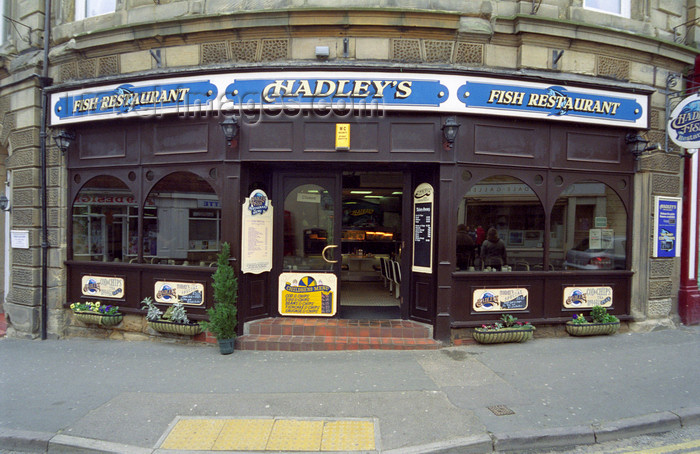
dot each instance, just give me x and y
(324, 92)
(128, 98)
(549, 100)
(666, 227)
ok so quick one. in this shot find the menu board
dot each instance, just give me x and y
(308, 294)
(587, 297)
(256, 234)
(500, 299)
(423, 201)
(667, 229)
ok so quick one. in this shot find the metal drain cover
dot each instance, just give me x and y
(501, 410)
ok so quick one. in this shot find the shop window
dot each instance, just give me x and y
(182, 221)
(104, 212)
(509, 206)
(91, 8)
(588, 229)
(619, 7)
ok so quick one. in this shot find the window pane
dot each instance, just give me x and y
(101, 220)
(588, 229)
(90, 8)
(512, 209)
(619, 7)
(182, 221)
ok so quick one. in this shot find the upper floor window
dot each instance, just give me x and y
(90, 8)
(4, 21)
(619, 7)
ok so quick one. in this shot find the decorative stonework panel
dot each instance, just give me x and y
(23, 257)
(108, 66)
(406, 50)
(24, 138)
(68, 71)
(469, 54)
(665, 185)
(24, 197)
(25, 178)
(23, 217)
(660, 289)
(660, 162)
(24, 275)
(87, 68)
(613, 67)
(655, 118)
(214, 53)
(659, 268)
(438, 51)
(23, 158)
(245, 50)
(659, 308)
(274, 49)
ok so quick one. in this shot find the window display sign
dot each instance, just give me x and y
(102, 286)
(308, 294)
(667, 229)
(188, 293)
(423, 198)
(499, 299)
(587, 297)
(256, 234)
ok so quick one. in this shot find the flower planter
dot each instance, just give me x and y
(503, 335)
(592, 329)
(164, 326)
(226, 346)
(93, 318)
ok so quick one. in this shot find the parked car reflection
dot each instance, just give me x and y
(582, 257)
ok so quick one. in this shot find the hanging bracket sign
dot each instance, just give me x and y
(684, 123)
(256, 234)
(423, 201)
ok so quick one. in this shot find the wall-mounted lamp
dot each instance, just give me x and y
(230, 128)
(63, 140)
(639, 145)
(4, 203)
(449, 131)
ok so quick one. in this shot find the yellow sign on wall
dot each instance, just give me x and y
(308, 294)
(342, 136)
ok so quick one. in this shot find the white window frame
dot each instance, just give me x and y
(625, 7)
(4, 23)
(91, 8)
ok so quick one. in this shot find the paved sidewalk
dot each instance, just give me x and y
(112, 396)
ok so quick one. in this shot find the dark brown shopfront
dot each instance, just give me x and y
(152, 200)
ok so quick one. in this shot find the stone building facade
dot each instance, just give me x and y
(568, 40)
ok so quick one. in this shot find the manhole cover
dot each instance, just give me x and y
(501, 410)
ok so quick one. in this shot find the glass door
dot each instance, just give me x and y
(310, 245)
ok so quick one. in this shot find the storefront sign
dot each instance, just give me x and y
(367, 93)
(499, 299)
(667, 228)
(256, 234)
(188, 293)
(342, 136)
(423, 198)
(586, 297)
(308, 294)
(684, 123)
(102, 286)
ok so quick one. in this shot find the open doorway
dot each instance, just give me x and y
(370, 244)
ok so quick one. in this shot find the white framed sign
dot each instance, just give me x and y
(256, 233)
(499, 299)
(102, 286)
(171, 292)
(587, 297)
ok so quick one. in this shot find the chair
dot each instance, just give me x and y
(522, 265)
(397, 277)
(383, 269)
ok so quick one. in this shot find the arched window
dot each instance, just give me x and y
(105, 218)
(182, 221)
(514, 211)
(588, 229)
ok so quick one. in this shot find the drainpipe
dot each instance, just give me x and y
(44, 82)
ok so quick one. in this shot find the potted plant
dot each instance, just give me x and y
(223, 315)
(602, 323)
(509, 329)
(173, 321)
(96, 313)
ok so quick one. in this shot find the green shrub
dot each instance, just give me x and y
(600, 315)
(223, 316)
(222, 321)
